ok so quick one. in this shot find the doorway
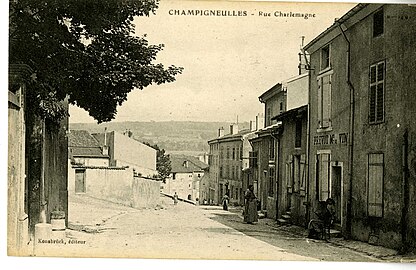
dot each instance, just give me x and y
(336, 191)
(79, 181)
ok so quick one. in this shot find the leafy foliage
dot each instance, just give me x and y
(163, 163)
(84, 49)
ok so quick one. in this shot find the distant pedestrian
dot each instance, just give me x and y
(175, 199)
(225, 201)
(250, 206)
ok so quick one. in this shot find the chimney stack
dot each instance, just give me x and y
(221, 132)
(233, 129)
(105, 147)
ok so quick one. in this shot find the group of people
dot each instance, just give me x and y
(250, 205)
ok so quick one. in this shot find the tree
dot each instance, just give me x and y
(85, 50)
(163, 163)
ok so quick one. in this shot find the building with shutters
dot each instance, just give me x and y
(186, 177)
(292, 166)
(362, 123)
(226, 165)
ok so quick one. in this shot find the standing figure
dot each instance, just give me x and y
(250, 206)
(175, 199)
(225, 200)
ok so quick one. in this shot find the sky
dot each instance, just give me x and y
(228, 61)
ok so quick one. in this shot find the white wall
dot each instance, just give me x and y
(129, 152)
(99, 162)
(297, 91)
(184, 184)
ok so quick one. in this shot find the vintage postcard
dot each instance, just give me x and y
(212, 130)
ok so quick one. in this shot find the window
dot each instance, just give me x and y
(281, 106)
(233, 153)
(271, 149)
(221, 172)
(325, 57)
(228, 152)
(378, 23)
(241, 153)
(322, 176)
(252, 159)
(269, 115)
(298, 133)
(376, 98)
(324, 101)
(232, 172)
(271, 181)
(375, 185)
(296, 173)
(173, 176)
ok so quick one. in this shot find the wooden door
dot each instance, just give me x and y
(79, 181)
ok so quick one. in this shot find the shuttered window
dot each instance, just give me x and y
(271, 181)
(302, 174)
(289, 174)
(376, 95)
(375, 184)
(322, 165)
(324, 101)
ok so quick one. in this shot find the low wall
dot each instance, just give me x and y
(110, 184)
(146, 193)
(118, 185)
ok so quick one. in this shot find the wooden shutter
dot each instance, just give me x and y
(303, 174)
(375, 184)
(319, 102)
(326, 101)
(289, 174)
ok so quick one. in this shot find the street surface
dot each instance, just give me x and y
(102, 229)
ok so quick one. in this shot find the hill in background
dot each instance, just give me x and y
(176, 137)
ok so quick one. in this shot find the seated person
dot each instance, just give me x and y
(325, 213)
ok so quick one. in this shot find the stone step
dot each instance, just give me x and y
(261, 215)
(288, 213)
(282, 221)
(335, 233)
(286, 216)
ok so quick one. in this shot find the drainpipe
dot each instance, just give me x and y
(351, 135)
(276, 172)
(307, 203)
(405, 190)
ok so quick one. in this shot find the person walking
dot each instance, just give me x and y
(175, 199)
(250, 206)
(225, 200)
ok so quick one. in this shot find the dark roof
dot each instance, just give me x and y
(274, 90)
(290, 113)
(82, 143)
(194, 164)
(229, 137)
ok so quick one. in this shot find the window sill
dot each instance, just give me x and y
(324, 71)
(326, 129)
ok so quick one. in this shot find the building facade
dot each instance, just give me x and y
(226, 154)
(291, 169)
(125, 151)
(185, 178)
(362, 123)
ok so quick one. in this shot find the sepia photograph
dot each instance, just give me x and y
(245, 131)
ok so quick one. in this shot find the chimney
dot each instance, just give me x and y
(221, 132)
(233, 129)
(251, 125)
(105, 147)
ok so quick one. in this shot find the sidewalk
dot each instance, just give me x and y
(379, 252)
